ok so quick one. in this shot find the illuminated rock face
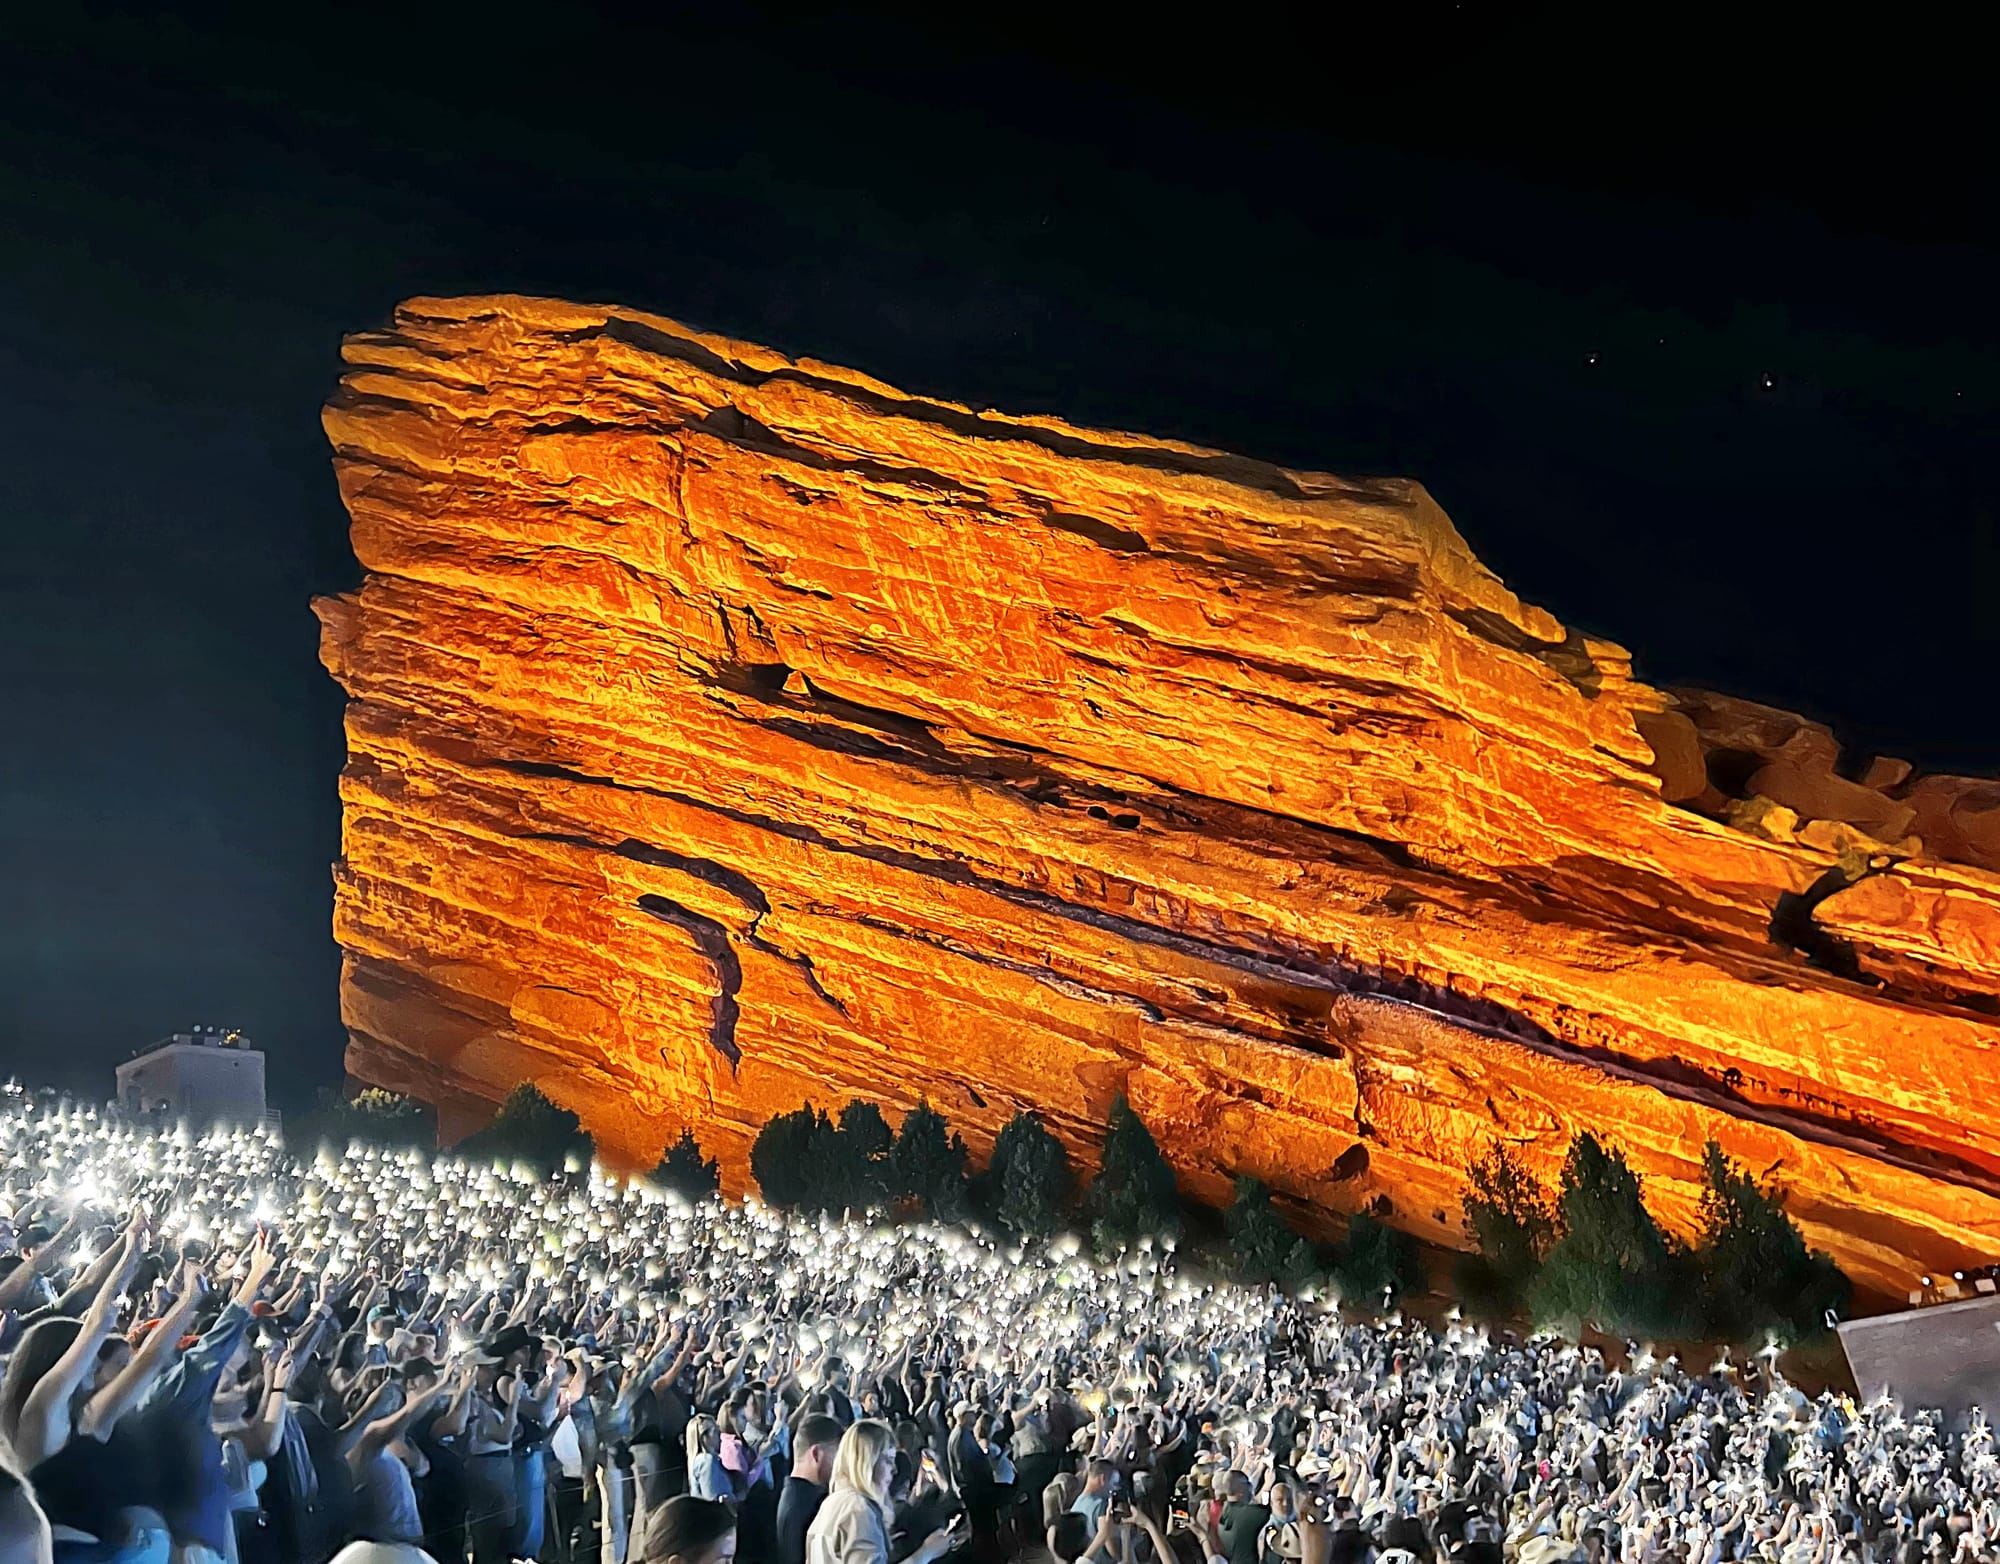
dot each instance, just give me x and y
(728, 732)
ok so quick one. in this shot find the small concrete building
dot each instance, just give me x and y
(207, 1075)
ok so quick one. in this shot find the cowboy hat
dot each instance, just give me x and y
(506, 1341)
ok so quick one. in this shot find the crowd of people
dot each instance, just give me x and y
(216, 1349)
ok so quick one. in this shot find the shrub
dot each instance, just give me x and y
(529, 1128)
(1756, 1275)
(1133, 1195)
(1027, 1178)
(1304, 1267)
(1510, 1220)
(1611, 1266)
(1375, 1261)
(373, 1116)
(683, 1170)
(1260, 1244)
(927, 1165)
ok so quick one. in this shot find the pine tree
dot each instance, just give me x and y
(788, 1159)
(861, 1158)
(1027, 1177)
(1511, 1222)
(1133, 1195)
(683, 1170)
(1611, 1266)
(927, 1165)
(531, 1129)
(1756, 1275)
(1374, 1262)
(1259, 1242)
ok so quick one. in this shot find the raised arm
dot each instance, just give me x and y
(679, 1365)
(540, 1403)
(370, 1412)
(128, 1387)
(44, 1426)
(85, 1287)
(524, 1310)
(17, 1283)
(264, 1434)
(384, 1430)
(450, 1423)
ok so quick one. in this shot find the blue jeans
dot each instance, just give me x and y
(489, 1506)
(531, 1502)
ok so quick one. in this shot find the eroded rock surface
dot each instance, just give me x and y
(728, 732)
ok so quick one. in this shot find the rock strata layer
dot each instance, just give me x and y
(728, 732)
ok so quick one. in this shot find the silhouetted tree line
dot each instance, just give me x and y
(812, 1161)
(1590, 1255)
(1372, 1263)
(1594, 1255)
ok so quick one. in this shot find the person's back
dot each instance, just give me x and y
(1242, 1527)
(1031, 1436)
(1349, 1545)
(971, 1471)
(300, 1510)
(88, 1479)
(848, 1529)
(1407, 1533)
(757, 1521)
(797, 1506)
(1058, 1494)
(1091, 1506)
(385, 1499)
(708, 1478)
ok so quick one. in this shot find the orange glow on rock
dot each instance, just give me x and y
(727, 732)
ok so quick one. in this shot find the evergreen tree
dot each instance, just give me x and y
(1259, 1242)
(788, 1159)
(1756, 1275)
(683, 1170)
(1304, 1267)
(1374, 1262)
(927, 1165)
(1027, 1177)
(1510, 1221)
(531, 1129)
(862, 1157)
(1611, 1266)
(1133, 1195)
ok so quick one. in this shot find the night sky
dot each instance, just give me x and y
(1692, 330)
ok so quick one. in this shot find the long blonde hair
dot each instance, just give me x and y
(861, 1447)
(699, 1428)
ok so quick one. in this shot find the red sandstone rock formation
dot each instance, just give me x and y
(728, 732)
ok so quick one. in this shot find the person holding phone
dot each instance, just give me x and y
(853, 1526)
